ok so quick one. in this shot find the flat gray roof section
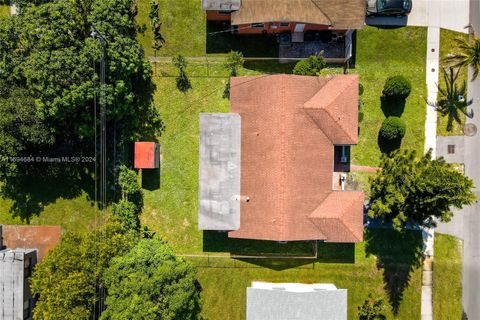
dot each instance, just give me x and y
(219, 171)
(451, 148)
(284, 303)
(221, 5)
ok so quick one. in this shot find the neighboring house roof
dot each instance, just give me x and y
(290, 125)
(225, 5)
(339, 14)
(287, 301)
(42, 238)
(219, 171)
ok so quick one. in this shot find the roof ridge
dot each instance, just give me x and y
(337, 95)
(343, 221)
(283, 165)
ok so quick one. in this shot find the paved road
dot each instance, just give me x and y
(466, 223)
(450, 14)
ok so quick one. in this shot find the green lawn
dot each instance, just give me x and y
(382, 53)
(183, 27)
(383, 265)
(447, 278)
(447, 45)
(4, 11)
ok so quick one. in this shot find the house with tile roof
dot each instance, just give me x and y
(278, 16)
(272, 168)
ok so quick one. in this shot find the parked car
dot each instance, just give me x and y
(389, 7)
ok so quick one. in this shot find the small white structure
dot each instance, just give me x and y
(16, 301)
(296, 301)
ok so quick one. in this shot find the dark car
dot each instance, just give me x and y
(389, 7)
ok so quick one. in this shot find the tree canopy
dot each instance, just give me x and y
(415, 190)
(69, 281)
(150, 282)
(47, 51)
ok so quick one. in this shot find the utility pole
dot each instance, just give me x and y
(101, 160)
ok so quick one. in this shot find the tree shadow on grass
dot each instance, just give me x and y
(398, 254)
(40, 184)
(392, 107)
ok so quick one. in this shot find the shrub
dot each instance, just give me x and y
(393, 128)
(310, 66)
(397, 87)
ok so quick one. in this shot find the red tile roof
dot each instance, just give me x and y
(42, 238)
(290, 125)
(145, 155)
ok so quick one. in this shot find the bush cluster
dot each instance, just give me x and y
(393, 128)
(310, 66)
(397, 87)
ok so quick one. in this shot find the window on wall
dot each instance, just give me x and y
(26, 309)
(258, 25)
(27, 271)
(451, 149)
(284, 24)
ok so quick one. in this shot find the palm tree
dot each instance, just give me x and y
(452, 100)
(468, 54)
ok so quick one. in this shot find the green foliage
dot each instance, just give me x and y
(371, 309)
(452, 101)
(310, 66)
(158, 40)
(183, 83)
(467, 54)
(21, 128)
(393, 128)
(126, 213)
(48, 51)
(397, 87)
(233, 62)
(150, 282)
(128, 182)
(70, 278)
(417, 190)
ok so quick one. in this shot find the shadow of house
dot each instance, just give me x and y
(392, 107)
(220, 39)
(398, 254)
(387, 22)
(151, 179)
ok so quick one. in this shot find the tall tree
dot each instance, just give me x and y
(69, 281)
(150, 282)
(411, 190)
(127, 210)
(233, 62)
(467, 54)
(453, 98)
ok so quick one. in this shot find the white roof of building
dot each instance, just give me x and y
(221, 5)
(296, 301)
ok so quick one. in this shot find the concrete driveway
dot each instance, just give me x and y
(447, 14)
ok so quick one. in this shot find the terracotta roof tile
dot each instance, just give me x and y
(287, 158)
(339, 14)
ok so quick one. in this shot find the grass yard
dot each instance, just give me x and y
(183, 27)
(447, 45)
(4, 11)
(385, 266)
(382, 53)
(447, 278)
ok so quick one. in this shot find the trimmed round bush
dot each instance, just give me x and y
(393, 128)
(310, 66)
(397, 87)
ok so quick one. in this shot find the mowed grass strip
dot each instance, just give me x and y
(448, 45)
(382, 53)
(447, 278)
(224, 286)
(4, 11)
